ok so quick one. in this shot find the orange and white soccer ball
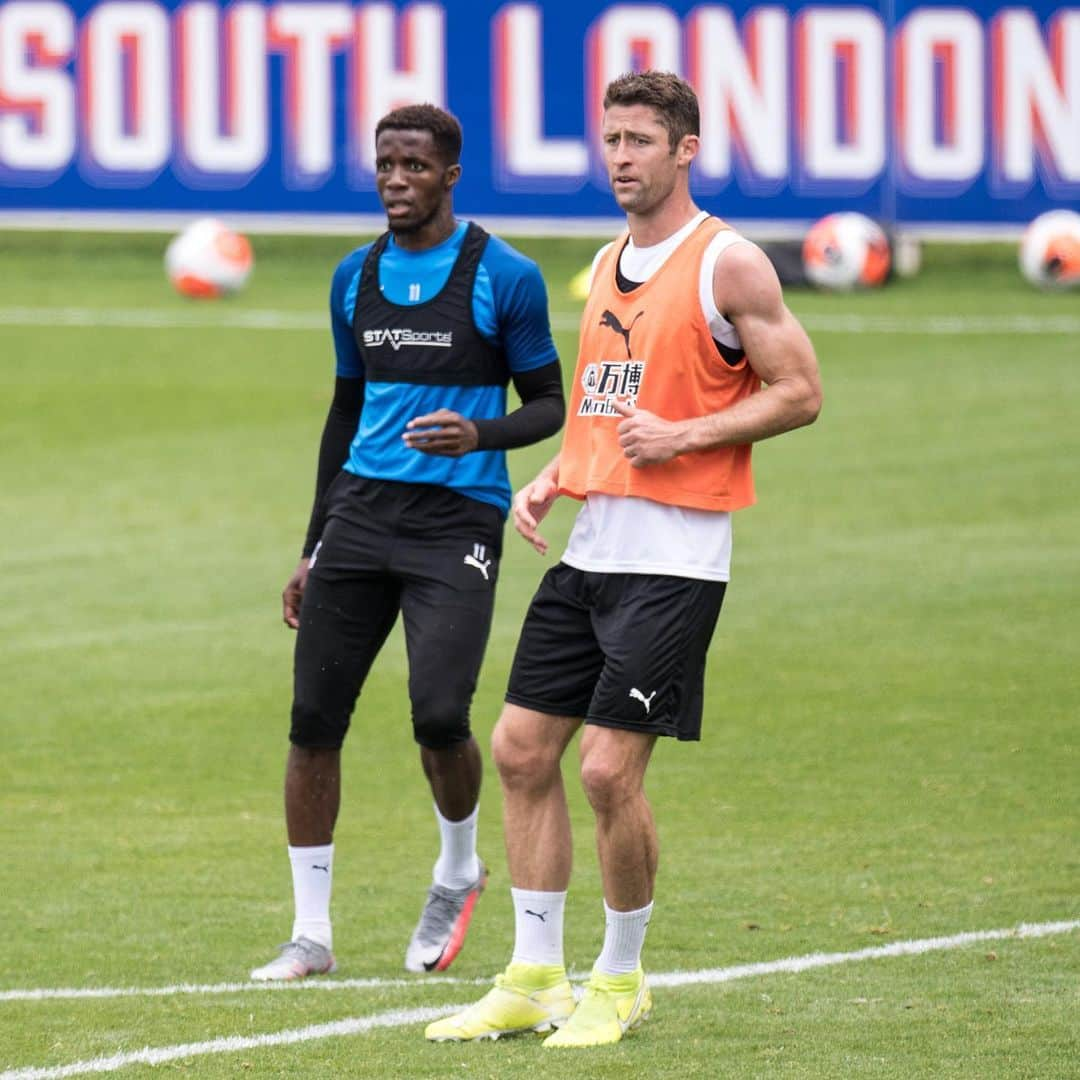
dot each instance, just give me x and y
(208, 259)
(1050, 250)
(846, 251)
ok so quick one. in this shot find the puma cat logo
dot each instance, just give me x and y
(477, 559)
(611, 320)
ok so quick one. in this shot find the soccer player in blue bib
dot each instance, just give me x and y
(430, 323)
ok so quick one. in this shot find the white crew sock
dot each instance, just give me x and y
(538, 927)
(457, 866)
(624, 935)
(312, 877)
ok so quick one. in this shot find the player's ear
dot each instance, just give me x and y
(452, 176)
(687, 149)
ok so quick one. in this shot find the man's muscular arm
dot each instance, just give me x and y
(746, 290)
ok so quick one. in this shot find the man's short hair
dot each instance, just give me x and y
(444, 127)
(673, 99)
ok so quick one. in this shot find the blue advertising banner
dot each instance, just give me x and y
(912, 112)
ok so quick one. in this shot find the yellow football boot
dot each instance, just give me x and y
(612, 1006)
(525, 997)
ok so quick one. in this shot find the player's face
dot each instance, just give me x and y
(413, 181)
(643, 169)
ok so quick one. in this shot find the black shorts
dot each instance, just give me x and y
(423, 550)
(620, 650)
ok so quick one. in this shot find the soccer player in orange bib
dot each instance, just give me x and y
(688, 355)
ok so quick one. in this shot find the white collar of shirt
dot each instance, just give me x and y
(640, 263)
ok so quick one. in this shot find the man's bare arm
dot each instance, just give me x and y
(747, 291)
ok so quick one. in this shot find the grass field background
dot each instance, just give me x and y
(891, 727)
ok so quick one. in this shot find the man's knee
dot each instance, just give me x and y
(610, 775)
(317, 729)
(440, 723)
(523, 758)
(605, 783)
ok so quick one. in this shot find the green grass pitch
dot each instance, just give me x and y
(891, 745)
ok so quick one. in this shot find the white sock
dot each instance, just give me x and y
(457, 866)
(538, 927)
(312, 877)
(624, 935)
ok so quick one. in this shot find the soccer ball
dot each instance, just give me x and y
(846, 251)
(208, 259)
(1050, 250)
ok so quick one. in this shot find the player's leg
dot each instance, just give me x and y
(528, 747)
(458, 876)
(312, 799)
(533, 993)
(617, 997)
(344, 620)
(613, 764)
(312, 794)
(655, 632)
(446, 606)
(554, 672)
(555, 667)
(453, 773)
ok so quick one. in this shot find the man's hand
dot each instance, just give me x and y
(444, 433)
(531, 505)
(646, 438)
(293, 593)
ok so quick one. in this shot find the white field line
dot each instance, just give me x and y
(301, 985)
(942, 324)
(402, 1017)
(201, 318)
(219, 317)
(795, 964)
(149, 1055)
(791, 964)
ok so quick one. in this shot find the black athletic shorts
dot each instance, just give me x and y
(620, 650)
(420, 549)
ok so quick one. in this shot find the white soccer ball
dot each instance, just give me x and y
(208, 259)
(846, 251)
(1050, 250)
